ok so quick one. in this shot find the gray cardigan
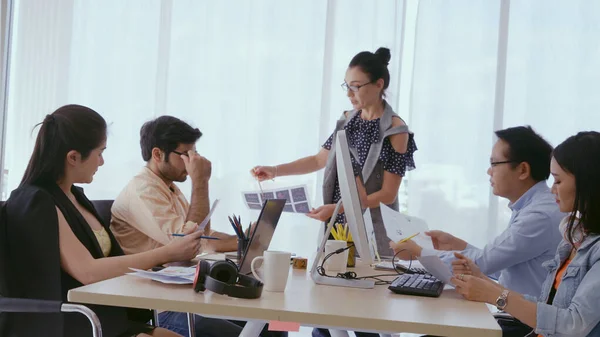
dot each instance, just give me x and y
(372, 171)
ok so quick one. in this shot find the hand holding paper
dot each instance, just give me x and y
(436, 267)
(399, 226)
(408, 238)
(297, 198)
(406, 249)
(204, 222)
(466, 266)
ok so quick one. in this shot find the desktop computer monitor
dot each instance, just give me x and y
(354, 218)
(351, 199)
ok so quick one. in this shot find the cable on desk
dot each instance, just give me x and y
(350, 275)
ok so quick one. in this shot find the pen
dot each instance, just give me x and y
(247, 233)
(235, 229)
(201, 237)
(239, 227)
(239, 221)
(408, 238)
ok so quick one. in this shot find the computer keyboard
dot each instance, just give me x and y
(417, 284)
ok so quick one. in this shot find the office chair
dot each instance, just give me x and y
(25, 305)
(103, 208)
(22, 305)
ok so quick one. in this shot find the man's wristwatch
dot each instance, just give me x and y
(502, 300)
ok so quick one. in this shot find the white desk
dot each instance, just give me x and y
(370, 310)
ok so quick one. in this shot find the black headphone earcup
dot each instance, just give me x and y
(202, 270)
(224, 271)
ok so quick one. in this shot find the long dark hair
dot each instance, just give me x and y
(579, 155)
(71, 127)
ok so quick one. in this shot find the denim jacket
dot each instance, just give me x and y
(575, 310)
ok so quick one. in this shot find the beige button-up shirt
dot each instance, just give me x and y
(147, 212)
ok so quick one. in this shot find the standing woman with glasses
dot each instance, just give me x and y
(382, 149)
(381, 143)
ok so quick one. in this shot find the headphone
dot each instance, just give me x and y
(222, 277)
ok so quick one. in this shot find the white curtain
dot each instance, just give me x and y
(452, 103)
(551, 62)
(260, 79)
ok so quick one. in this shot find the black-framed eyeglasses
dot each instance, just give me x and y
(496, 163)
(353, 88)
(181, 153)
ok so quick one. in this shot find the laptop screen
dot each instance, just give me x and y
(263, 233)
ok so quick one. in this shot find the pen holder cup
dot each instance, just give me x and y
(242, 244)
(351, 254)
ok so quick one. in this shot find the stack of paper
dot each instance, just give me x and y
(171, 275)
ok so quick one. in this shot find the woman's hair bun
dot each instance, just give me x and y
(384, 55)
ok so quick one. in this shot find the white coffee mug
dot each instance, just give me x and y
(276, 268)
(336, 262)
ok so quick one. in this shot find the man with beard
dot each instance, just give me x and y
(151, 208)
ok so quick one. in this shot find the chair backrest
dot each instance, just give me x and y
(10, 306)
(103, 208)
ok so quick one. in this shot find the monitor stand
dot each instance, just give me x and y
(334, 281)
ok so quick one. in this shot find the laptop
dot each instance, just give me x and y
(263, 233)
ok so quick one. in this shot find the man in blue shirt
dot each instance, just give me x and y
(519, 168)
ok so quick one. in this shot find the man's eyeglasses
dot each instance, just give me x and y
(353, 88)
(496, 163)
(181, 153)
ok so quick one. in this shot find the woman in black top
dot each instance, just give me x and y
(56, 241)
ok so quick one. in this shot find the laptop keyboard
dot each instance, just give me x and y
(417, 284)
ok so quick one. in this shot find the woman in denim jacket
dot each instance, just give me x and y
(569, 304)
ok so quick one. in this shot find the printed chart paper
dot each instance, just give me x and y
(297, 200)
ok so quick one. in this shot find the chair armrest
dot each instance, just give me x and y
(26, 305)
(8, 304)
(91, 316)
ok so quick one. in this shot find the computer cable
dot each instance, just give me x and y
(350, 275)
